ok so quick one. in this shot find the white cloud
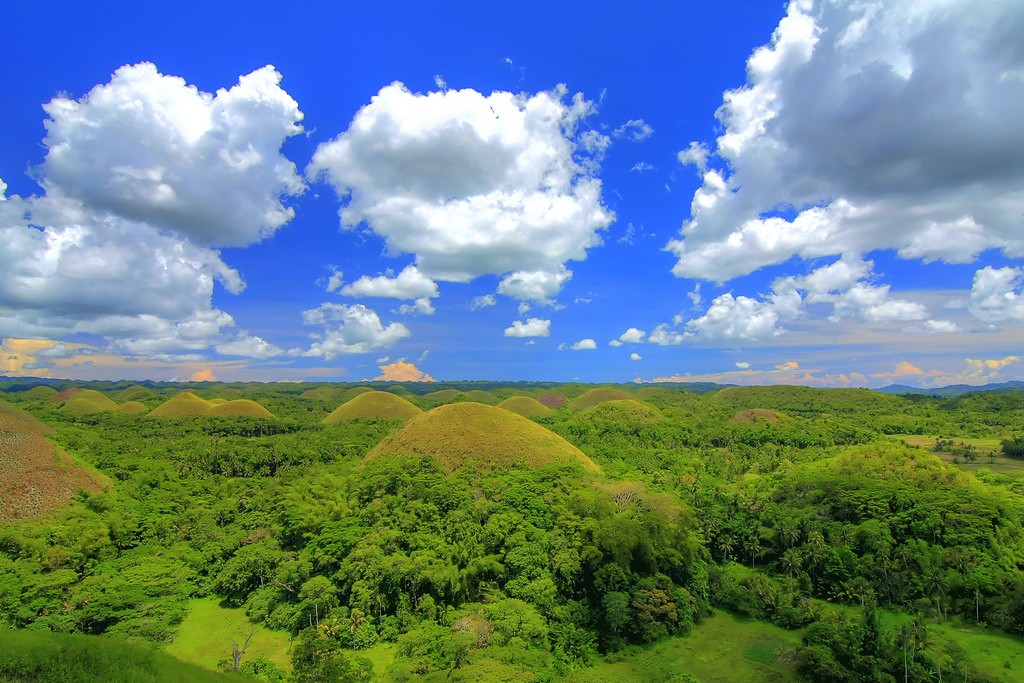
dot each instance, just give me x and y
(584, 345)
(143, 176)
(482, 302)
(349, 330)
(249, 346)
(736, 318)
(470, 184)
(634, 130)
(418, 307)
(635, 356)
(538, 286)
(996, 295)
(884, 125)
(743, 365)
(663, 336)
(696, 154)
(408, 284)
(533, 327)
(642, 167)
(630, 336)
(151, 148)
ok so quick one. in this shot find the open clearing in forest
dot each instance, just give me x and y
(206, 634)
(985, 447)
(723, 648)
(999, 655)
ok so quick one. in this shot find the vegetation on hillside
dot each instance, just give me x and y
(472, 543)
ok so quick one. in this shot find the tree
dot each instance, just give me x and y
(236, 653)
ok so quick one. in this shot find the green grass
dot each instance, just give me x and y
(44, 657)
(998, 655)
(626, 410)
(206, 634)
(723, 648)
(525, 406)
(985, 447)
(240, 407)
(591, 398)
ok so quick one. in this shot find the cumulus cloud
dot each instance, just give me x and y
(996, 295)
(630, 336)
(151, 148)
(696, 154)
(635, 356)
(533, 327)
(204, 375)
(538, 286)
(143, 176)
(408, 284)
(349, 330)
(584, 345)
(641, 167)
(743, 365)
(470, 184)
(663, 336)
(400, 371)
(867, 126)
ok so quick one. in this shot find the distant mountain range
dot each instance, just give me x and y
(23, 383)
(956, 389)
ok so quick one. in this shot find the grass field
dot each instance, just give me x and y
(985, 447)
(998, 655)
(206, 634)
(723, 648)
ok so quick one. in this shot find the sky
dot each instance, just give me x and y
(827, 193)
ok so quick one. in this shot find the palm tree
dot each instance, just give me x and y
(356, 618)
(791, 562)
(726, 546)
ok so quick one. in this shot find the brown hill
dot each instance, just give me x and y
(458, 434)
(35, 476)
(552, 400)
(525, 406)
(373, 405)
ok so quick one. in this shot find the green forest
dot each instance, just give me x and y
(509, 532)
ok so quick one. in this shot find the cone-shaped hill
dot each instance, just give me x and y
(35, 476)
(626, 410)
(240, 407)
(88, 402)
(135, 393)
(479, 396)
(40, 392)
(552, 399)
(132, 408)
(591, 398)
(373, 405)
(440, 396)
(185, 404)
(458, 434)
(525, 406)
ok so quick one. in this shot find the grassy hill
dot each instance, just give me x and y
(591, 398)
(44, 657)
(525, 406)
(240, 407)
(41, 392)
(458, 434)
(623, 410)
(373, 405)
(185, 404)
(35, 476)
(132, 408)
(88, 402)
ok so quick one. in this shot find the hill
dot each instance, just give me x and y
(185, 404)
(88, 402)
(591, 398)
(525, 406)
(46, 657)
(458, 434)
(131, 408)
(40, 392)
(552, 399)
(35, 476)
(623, 410)
(373, 405)
(240, 407)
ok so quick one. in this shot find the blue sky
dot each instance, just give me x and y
(824, 193)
